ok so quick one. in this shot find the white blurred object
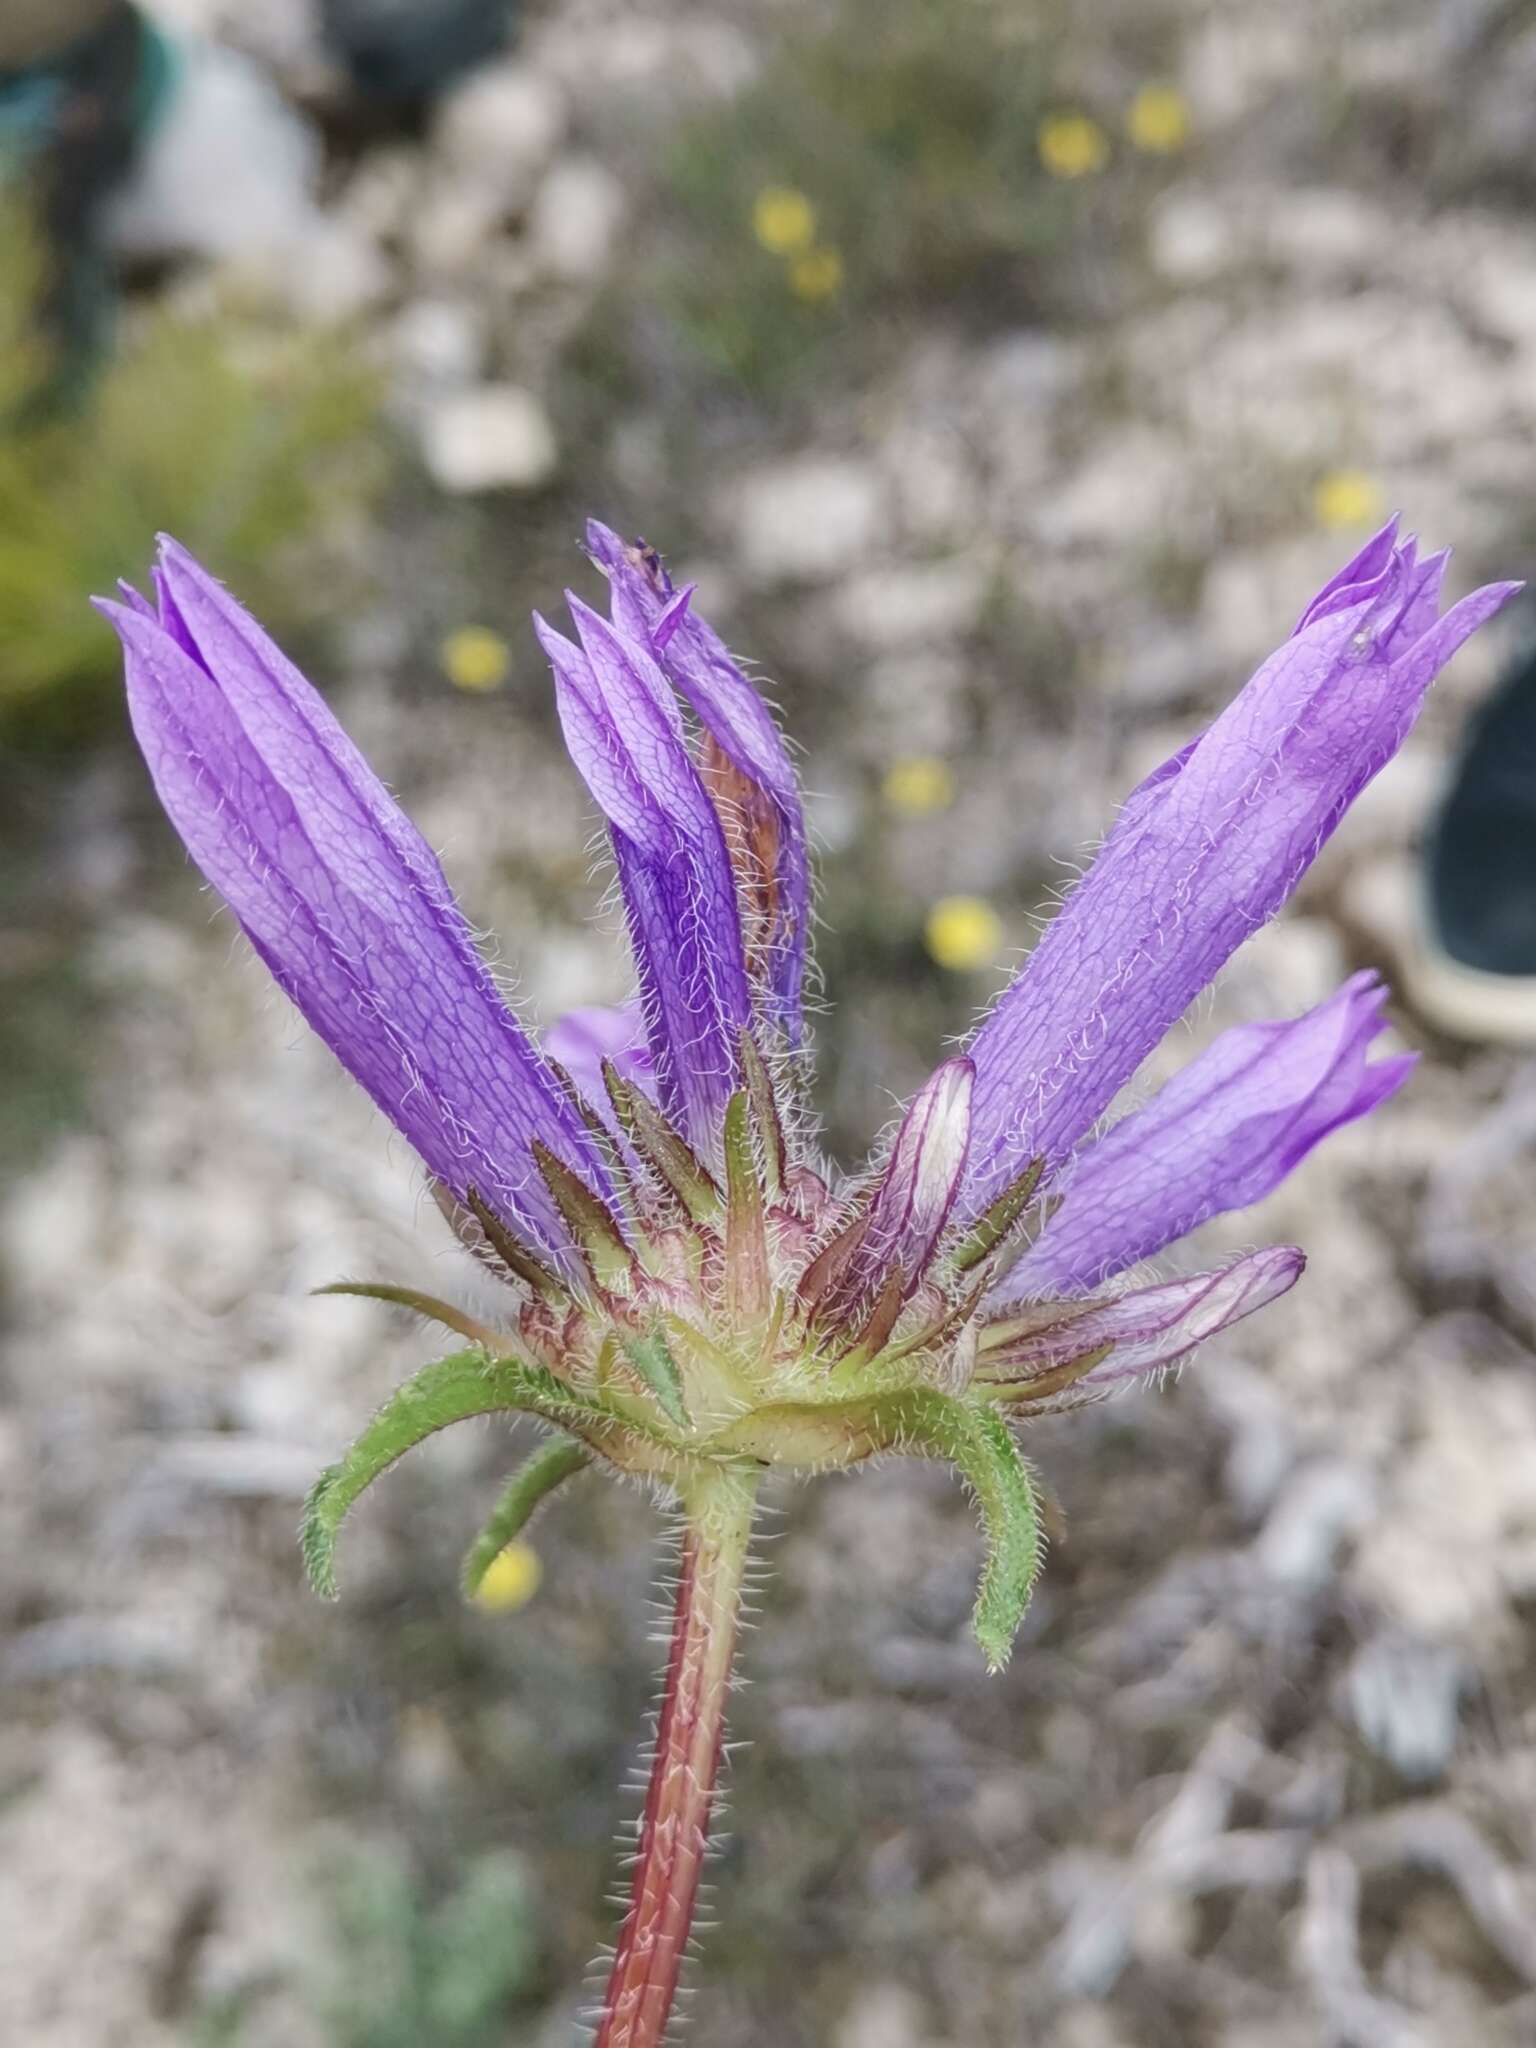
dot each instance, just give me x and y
(497, 437)
(231, 175)
(499, 130)
(577, 213)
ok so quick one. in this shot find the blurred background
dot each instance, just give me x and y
(1008, 375)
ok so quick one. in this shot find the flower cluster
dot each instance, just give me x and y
(692, 1294)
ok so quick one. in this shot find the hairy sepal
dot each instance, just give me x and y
(978, 1442)
(651, 1356)
(529, 1487)
(669, 1155)
(427, 1305)
(452, 1389)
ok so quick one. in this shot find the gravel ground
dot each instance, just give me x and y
(1263, 1773)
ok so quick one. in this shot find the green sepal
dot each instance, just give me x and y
(530, 1485)
(746, 1233)
(980, 1444)
(519, 1261)
(450, 1390)
(765, 1114)
(661, 1147)
(590, 1221)
(989, 1230)
(428, 1305)
(651, 1356)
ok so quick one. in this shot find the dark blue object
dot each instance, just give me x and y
(1482, 855)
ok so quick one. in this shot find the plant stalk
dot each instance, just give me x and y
(674, 1827)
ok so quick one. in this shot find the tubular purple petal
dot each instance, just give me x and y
(697, 663)
(1221, 1135)
(1151, 1327)
(340, 896)
(624, 734)
(1209, 848)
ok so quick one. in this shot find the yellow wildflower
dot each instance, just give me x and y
(963, 933)
(918, 785)
(1158, 121)
(475, 658)
(1072, 145)
(1348, 497)
(783, 220)
(816, 275)
(511, 1579)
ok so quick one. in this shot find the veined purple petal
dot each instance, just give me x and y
(583, 1039)
(1220, 1135)
(764, 789)
(1151, 1327)
(1209, 849)
(917, 1190)
(1360, 575)
(620, 724)
(341, 896)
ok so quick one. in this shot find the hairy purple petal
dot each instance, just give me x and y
(1221, 1135)
(1209, 848)
(340, 895)
(624, 734)
(917, 1190)
(696, 662)
(1151, 1327)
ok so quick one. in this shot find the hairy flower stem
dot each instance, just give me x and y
(674, 1828)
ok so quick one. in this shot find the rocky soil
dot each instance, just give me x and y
(1263, 1773)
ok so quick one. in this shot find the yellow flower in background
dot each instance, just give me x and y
(1072, 145)
(511, 1579)
(1348, 497)
(816, 275)
(918, 786)
(783, 220)
(1159, 120)
(475, 658)
(963, 933)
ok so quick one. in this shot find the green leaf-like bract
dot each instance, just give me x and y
(650, 1355)
(451, 1390)
(531, 1484)
(980, 1444)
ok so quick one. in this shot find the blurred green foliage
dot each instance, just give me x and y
(410, 1971)
(247, 443)
(400, 1970)
(911, 128)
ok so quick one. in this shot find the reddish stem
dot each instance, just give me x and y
(674, 1828)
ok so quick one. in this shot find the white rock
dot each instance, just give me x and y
(450, 228)
(575, 217)
(439, 342)
(500, 129)
(805, 520)
(883, 2016)
(497, 437)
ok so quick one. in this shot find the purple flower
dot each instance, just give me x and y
(691, 1295)
(349, 908)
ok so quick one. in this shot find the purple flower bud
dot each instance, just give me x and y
(1208, 849)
